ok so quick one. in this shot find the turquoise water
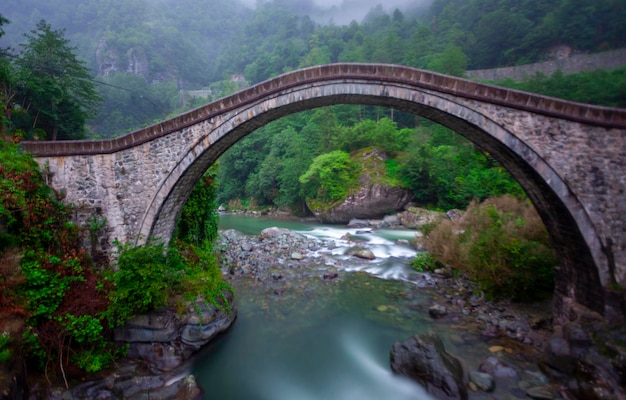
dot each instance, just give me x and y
(330, 341)
(327, 340)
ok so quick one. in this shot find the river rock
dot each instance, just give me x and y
(163, 339)
(160, 344)
(483, 381)
(368, 202)
(128, 383)
(416, 218)
(559, 356)
(274, 232)
(540, 393)
(597, 377)
(389, 220)
(356, 223)
(437, 311)
(497, 368)
(365, 254)
(424, 359)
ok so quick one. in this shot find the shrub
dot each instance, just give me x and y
(502, 245)
(198, 220)
(423, 261)
(152, 276)
(47, 279)
(142, 280)
(5, 351)
(329, 177)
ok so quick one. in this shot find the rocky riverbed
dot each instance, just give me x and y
(517, 347)
(478, 349)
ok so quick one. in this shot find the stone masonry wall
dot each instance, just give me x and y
(569, 64)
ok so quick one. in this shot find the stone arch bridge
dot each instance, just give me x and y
(569, 157)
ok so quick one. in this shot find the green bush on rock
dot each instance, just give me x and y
(151, 276)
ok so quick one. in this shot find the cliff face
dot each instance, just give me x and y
(375, 197)
(110, 60)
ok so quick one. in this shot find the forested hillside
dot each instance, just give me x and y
(145, 51)
(146, 55)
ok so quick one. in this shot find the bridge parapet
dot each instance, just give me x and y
(420, 79)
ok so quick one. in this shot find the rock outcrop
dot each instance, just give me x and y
(374, 198)
(160, 343)
(164, 339)
(423, 359)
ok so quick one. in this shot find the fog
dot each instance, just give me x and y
(345, 11)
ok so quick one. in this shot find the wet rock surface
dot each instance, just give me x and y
(372, 199)
(424, 359)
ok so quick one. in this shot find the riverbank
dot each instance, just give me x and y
(512, 337)
(582, 359)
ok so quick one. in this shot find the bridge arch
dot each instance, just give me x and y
(533, 137)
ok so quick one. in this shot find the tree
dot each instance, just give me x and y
(451, 61)
(56, 87)
(329, 177)
(7, 84)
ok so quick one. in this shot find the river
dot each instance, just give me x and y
(328, 341)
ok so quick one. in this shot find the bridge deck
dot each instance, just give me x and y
(538, 104)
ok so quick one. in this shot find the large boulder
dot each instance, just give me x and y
(369, 202)
(164, 339)
(423, 359)
(375, 196)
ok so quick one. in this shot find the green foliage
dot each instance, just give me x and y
(598, 87)
(151, 276)
(446, 171)
(51, 284)
(203, 277)
(502, 245)
(67, 307)
(199, 220)
(172, 51)
(451, 61)
(504, 32)
(56, 87)
(142, 280)
(423, 261)
(5, 350)
(329, 177)
(46, 287)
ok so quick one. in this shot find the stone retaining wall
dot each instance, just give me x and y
(571, 64)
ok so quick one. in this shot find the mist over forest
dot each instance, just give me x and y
(153, 59)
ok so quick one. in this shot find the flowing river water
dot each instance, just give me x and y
(331, 341)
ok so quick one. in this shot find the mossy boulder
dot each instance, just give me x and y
(375, 195)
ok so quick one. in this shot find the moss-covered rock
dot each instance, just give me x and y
(375, 195)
